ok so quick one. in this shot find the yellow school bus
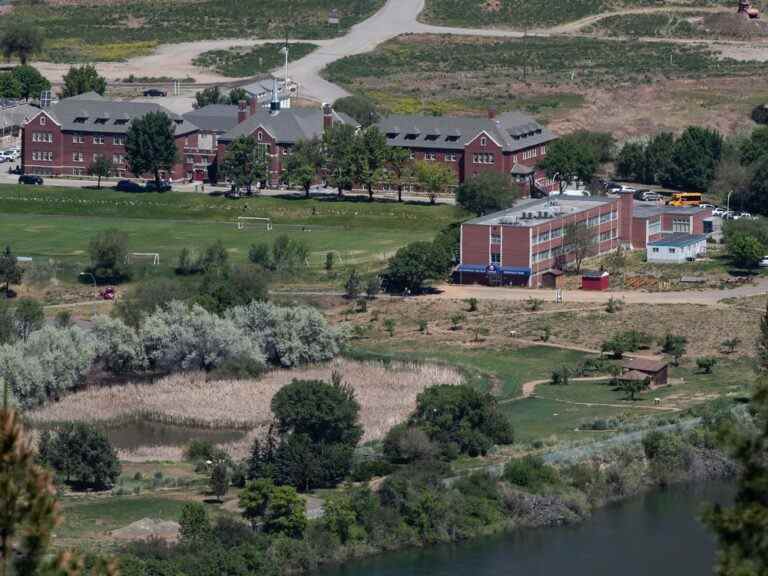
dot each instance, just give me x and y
(685, 199)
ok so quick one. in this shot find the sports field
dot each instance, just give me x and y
(58, 223)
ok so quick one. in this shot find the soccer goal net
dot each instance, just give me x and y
(153, 257)
(244, 222)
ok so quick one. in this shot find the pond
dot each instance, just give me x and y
(657, 534)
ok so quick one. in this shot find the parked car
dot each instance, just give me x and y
(31, 179)
(128, 186)
(764, 262)
(651, 196)
(163, 186)
(720, 212)
(8, 155)
(711, 206)
(155, 93)
(107, 294)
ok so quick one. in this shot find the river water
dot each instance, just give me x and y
(657, 534)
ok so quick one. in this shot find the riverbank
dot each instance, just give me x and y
(415, 508)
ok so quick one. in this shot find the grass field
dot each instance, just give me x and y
(526, 14)
(681, 25)
(84, 26)
(249, 61)
(58, 223)
(549, 77)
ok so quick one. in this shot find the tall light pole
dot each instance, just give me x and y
(728, 203)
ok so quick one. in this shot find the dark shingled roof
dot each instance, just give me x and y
(643, 365)
(91, 112)
(214, 117)
(288, 126)
(512, 131)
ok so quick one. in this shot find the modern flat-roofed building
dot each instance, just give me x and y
(511, 143)
(519, 245)
(65, 138)
(676, 248)
(650, 223)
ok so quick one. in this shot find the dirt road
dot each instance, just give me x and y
(395, 18)
(701, 297)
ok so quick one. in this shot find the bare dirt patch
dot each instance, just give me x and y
(148, 529)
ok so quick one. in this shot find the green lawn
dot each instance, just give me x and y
(58, 223)
(503, 371)
(73, 30)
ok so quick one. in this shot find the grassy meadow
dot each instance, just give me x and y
(92, 27)
(249, 61)
(525, 14)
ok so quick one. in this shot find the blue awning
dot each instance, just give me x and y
(476, 268)
(512, 271)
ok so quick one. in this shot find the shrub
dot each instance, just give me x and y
(354, 285)
(413, 265)
(389, 326)
(462, 416)
(194, 525)
(472, 303)
(614, 305)
(108, 251)
(28, 316)
(535, 304)
(405, 444)
(561, 376)
(731, 344)
(117, 345)
(423, 326)
(366, 470)
(180, 337)
(531, 472)
(456, 320)
(290, 336)
(82, 455)
(373, 287)
(706, 364)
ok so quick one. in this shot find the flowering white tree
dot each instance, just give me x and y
(118, 345)
(180, 337)
(291, 335)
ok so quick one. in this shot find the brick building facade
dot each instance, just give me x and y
(64, 139)
(520, 245)
(512, 143)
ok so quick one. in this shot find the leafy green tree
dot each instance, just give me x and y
(237, 95)
(760, 114)
(659, 159)
(461, 416)
(674, 346)
(756, 197)
(706, 364)
(632, 387)
(108, 251)
(10, 87)
(340, 518)
(82, 79)
(730, 344)
(305, 163)
(581, 242)
(28, 508)
(695, 157)
(756, 146)
(354, 285)
(232, 286)
(412, 266)
(219, 482)
(254, 500)
(28, 316)
(398, 169)
(406, 444)
(745, 250)
(616, 346)
(530, 472)
(82, 455)
(602, 144)
(101, 168)
(762, 340)
(7, 323)
(434, 177)
(570, 160)
(10, 271)
(734, 178)
(31, 81)
(147, 296)
(210, 95)
(360, 108)
(286, 513)
(194, 524)
(630, 163)
(487, 192)
(318, 425)
(22, 40)
(340, 164)
(370, 156)
(245, 163)
(287, 255)
(150, 145)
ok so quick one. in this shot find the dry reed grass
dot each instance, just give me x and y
(387, 395)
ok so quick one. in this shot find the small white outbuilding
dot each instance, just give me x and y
(677, 248)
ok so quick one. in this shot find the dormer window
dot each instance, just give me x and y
(391, 135)
(121, 122)
(80, 120)
(411, 136)
(452, 138)
(101, 120)
(431, 137)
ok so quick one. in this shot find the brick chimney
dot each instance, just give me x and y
(242, 113)
(327, 117)
(626, 212)
(254, 105)
(491, 113)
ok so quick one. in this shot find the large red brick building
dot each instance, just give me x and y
(511, 143)
(520, 245)
(65, 138)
